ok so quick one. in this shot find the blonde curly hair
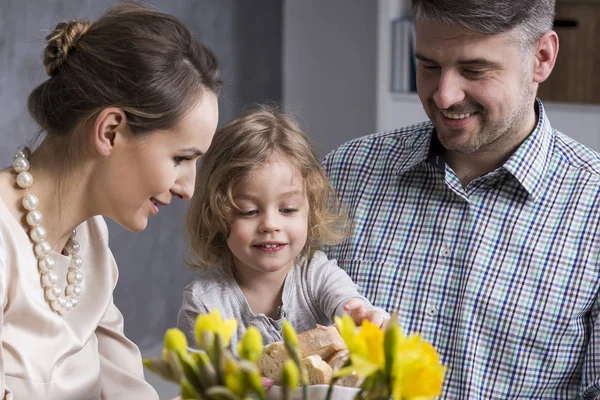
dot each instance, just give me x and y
(239, 147)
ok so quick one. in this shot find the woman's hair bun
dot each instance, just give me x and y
(61, 42)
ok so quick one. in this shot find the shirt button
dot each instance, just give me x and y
(431, 311)
(445, 250)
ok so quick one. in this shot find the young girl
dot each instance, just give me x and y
(262, 209)
(130, 103)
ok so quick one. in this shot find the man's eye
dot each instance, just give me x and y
(474, 73)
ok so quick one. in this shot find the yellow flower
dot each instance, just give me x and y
(292, 346)
(289, 334)
(412, 365)
(214, 323)
(251, 346)
(366, 347)
(175, 340)
(234, 378)
(290, 375)
(417, 372)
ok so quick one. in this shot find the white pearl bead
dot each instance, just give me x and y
(74, 301)
(24, 180)
(22, 152)
(52, 292)
(37, 233)
(61, 301)
(31, 202)
(21, 165)
(34, 218)
(72, 246)
(73, 233)
(68, 307)
(42, 249)
(76, 262)
(49, 279)
(74, 277)
(46, 264)
(55, 306)
(73, 290)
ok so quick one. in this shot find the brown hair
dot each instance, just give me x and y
(135, 58)
(239, 147)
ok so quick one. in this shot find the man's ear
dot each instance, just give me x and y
(545, 56)
(109, 127)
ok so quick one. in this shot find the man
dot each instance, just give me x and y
(481, 227)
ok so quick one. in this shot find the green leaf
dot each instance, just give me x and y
(175, 364)
(161, 368)
(221, 393)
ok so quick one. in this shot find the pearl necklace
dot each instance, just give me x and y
(59, 303)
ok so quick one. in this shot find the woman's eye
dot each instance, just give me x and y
(288, 210)
(429, 67)
(179, 160)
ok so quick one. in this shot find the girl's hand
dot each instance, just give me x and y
(266, 382)
(357, 310)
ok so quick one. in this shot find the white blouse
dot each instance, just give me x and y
(81, 355)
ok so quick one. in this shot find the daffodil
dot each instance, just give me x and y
(251, 346)
(410, 365)
(214, 323)
(289, 374)
(290, 377)
(289, 334)
(366, 347)
(175, 341)
(417, 372)
(292, 346)
(234, 378)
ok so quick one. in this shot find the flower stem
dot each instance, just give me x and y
(330, 388)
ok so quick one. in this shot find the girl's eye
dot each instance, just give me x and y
(179, 160)
(248, 213)
(288, 210)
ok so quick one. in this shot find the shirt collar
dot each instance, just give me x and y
(528, 164)
(530, 161)
(419, 148)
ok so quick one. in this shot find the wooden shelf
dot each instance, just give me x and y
(574, 78)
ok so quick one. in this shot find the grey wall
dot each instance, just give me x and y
(330, 68)
(245, 34)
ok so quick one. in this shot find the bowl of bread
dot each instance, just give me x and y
(323, 353)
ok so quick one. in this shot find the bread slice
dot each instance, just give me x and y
(336, 362)
(272, 360)
(319, 372)
(338, 359)
(323, 341)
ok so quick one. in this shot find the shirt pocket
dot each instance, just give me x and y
(377, 280)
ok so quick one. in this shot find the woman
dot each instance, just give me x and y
(130, 104)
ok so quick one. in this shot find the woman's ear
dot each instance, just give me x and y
(545, 56)
(110, 126)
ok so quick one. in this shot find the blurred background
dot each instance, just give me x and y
(334, 63)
